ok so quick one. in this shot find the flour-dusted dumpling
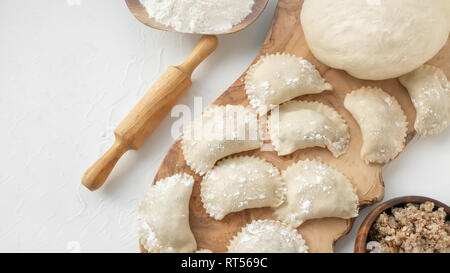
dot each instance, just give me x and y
(240, 183)
(220, 132)
(429, 89)
(315, 190)
(163, 217)
(277, 78)
(300, 124)
(268, 236)
(382, 121)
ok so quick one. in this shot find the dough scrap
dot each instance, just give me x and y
(429, 89)
(375, 39)
(315, 190)
(301, 124)
(163, 216)
(220, 132)
(382, 121)
(268, 236)
(280, 77)
(240, 183)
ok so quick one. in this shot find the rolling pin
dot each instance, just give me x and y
(149, 112)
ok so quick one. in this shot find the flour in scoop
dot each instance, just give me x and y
(199, 16)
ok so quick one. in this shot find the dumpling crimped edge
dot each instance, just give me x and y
(322, 108)
(317, 162)
(297, 236)
(249, 78)
(440, 73)
(384, 95)
(185, 147)
(188, 182)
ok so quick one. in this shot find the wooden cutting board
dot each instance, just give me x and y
(286, 35)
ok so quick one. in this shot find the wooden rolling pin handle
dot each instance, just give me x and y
(97, 174)
(149, 112)
(206, 45)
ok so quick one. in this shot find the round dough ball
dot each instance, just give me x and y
(376, 39)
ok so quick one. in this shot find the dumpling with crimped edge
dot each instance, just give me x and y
(280, 77)
(301, 124)
(429, 90)
(220, 131)
(382, 121)
(268, 236)
(163, 216)
(316, 190)
(240, 183)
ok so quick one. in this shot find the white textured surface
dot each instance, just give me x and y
(69, 72)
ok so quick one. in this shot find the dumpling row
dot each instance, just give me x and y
(382, 121)
(314, 190)
(214, 136)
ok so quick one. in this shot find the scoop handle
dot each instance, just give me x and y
(149, 112)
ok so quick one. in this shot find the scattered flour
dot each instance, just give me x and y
(199, 16)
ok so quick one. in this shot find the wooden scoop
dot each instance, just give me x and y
(159, 100)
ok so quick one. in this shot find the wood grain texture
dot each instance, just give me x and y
(286, 35)
(141, 14)
(363, 232)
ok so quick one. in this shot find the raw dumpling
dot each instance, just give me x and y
(429, 89)
(277, 78)
(220, 132)
(163, 217)
(382, 121)
(267, 236)
(315, 190)
(240, 183)
(300, 124)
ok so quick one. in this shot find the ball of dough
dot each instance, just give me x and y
(376, 39)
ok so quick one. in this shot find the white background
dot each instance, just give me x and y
(70, 70)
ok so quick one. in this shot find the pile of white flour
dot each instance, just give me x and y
(199, 16)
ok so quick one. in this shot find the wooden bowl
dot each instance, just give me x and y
(363, 232)
(141, 14)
